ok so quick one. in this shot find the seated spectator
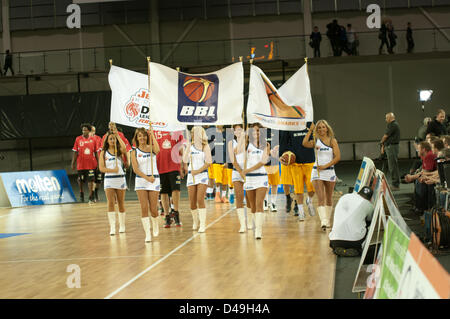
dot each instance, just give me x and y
(421, 132)
(446, 140)
(352, 213)
(437, 147)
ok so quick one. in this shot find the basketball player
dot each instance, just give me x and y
(170, 172)
(236, 152)
(86, 158)
(98, 174)
(198, 155)
(111, 163)
(323, 175)
(297, 174)
(272, 169)
(218, 153)
(256, 181)
(147, 183)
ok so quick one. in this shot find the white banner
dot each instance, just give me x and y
(215, 98)
(288, 108)
(130, 100)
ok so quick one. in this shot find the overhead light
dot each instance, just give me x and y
(425, 95)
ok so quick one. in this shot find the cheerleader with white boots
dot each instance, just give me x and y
(110, 163)
(198, 155)
(236, 149)
(256, 180)
(323, 176)
(147, 186)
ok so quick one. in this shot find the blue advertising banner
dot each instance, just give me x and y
(37, 188)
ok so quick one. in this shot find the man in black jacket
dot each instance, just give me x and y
(438, 126)
(315, 39)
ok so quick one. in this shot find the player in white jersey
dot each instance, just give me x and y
(237, 155)
(114, 183)
(198, 155)
(323, 175)
(147, 186)
(256, 180)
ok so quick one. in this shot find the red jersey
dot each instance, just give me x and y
(98, 141)
(428, 162)
(86, 148)
(168, 158)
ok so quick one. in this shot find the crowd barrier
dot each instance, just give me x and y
(401, 267)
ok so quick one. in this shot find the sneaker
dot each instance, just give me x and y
(168, 221)
(266, 206)
(91, 199)
(301, 217)
(82, 197)
(295, 209)
(311, 210)
(343, 252)
(288, 204)
(232, 199)
(176, 217)
(273, 207)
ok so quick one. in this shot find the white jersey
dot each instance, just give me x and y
(197, 159)
(324, 155)
(114, 180)
(144, 164)
(235, 176)
(257, 178)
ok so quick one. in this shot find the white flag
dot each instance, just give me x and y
(288, 108)
(130, 100)
(215, 98)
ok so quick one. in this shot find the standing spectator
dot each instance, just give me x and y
(315, 39)
(342, 38)
(382, 35)
(8, 62)
(438, 126)
(389, 143)
(422, 131)
(409, 38)
(351, 40)
(333, 35)
(392, 38)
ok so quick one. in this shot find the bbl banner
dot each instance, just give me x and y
(130, 100)
(215, 98)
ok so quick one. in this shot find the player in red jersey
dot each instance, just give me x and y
(170, 172)
(86, 158)
(98, 174)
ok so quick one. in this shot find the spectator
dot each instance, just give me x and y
(8, 62)
(333, 36)
(446, 140)
(409, 38)
(342, 38)
(382, 35)
(315, 39)
(389, 143)
(438, 126)
(351, 40)
(392, 38)
(421, 132)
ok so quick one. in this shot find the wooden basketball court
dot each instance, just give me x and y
(293, 260)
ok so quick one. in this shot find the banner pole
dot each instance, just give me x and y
(115, 144)
(149, 120)
(246, 126)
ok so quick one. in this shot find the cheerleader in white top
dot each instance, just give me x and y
(323, 176)
(256, 179)
(198, 156)
(147, 184)
(236, 149)
(111, 163)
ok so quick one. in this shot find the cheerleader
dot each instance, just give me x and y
(114, 182)
(236, 150)
(256, 180)
(323, 176)
(198, 155)
(147, 186)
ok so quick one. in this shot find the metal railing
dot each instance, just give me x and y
(199, 53)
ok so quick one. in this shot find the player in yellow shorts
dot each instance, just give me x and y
(297, 174)
(273, 173)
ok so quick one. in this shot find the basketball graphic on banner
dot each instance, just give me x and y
(198, 89)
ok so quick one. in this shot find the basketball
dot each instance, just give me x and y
(198, 89)
(288, 158)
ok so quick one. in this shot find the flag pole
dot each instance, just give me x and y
(115, 144)
(314, 134)
(246, 126)
(149, 121)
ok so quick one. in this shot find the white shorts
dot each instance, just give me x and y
(144, 185)
(255, 182)
(236, 177)
(328, 175)
(201, 178)
(115, 182)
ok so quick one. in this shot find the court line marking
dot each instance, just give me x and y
(164, 258)
(76, 258)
